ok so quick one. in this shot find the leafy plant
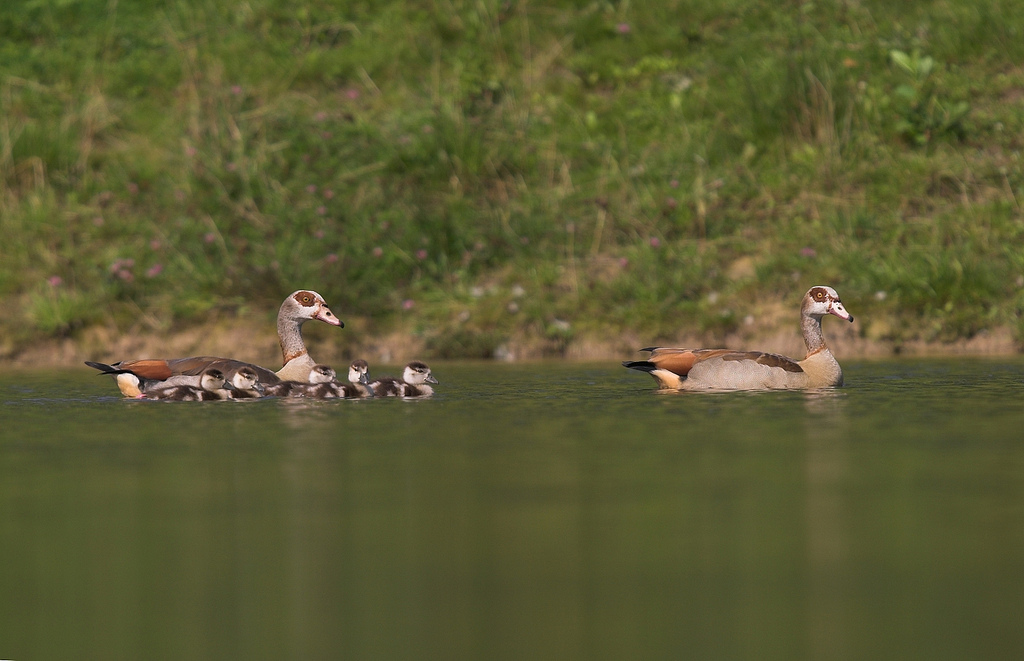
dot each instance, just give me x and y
(923, 114)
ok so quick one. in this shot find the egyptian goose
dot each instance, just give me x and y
(294, 388)
(319, 374)
(284, 389)
(413, 383)
(246, 384)
(359, 372)
(324, 384)
(212, 386)
(245, 381)
(297, 309)
(358, 380)
(725, 369)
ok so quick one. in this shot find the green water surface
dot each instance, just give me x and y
(551, 511)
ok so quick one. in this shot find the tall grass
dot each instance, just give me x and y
(608, 162)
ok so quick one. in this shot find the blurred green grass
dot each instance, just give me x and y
(487, 168)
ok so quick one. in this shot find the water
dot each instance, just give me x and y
(550, 511)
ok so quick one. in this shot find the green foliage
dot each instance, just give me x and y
(615, 157)
(923, 115)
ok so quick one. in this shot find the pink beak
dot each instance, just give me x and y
(838, 310)
(324, 314)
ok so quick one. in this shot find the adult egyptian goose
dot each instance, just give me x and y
(725, 369)
(297, 309)
(245, 381)
(413, 383)
(212, 386)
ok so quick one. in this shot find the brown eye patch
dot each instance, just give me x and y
(305, 298)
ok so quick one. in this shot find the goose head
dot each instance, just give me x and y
(296, 310)
(359, 372)
(417, 373)
(821, 301)
(322, 374)
(304, 305)
(213, 380)
(247, 380)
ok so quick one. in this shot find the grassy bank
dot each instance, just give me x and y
(471, 171)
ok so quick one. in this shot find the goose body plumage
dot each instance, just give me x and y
(246, 382)
(213, 385)
(128, 382)
(359, 377)
(284, 389)
(727, 369)
(358, 386)
(415, 381)
(322, 383)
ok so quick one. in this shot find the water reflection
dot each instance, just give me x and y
(552, 512)
(827, 466)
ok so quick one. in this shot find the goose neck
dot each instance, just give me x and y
(811, 327)
(289, 332)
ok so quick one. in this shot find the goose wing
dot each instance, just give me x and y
(159, 369)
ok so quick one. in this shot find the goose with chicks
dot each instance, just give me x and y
(298, 308)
